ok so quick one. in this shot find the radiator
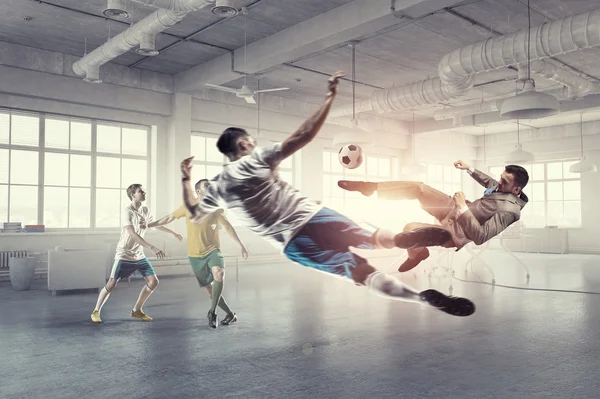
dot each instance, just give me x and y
(6, 255)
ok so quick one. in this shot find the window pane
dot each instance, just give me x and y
(372, 166)
(287, 163)
(326, 186)
(572, 213)
(3, 165)
(134, 171)
(198, 148)
(198, 172)
(536, 216)
(108, 207)
(212, 171)
(430, 173)
(555, 170)
(81, 170)
(537, 192)
(56, 207)
(3, 203)
(336, 166)
(287, 177)
(108, 139)
(81, 136)
(23, 204)
(57, 133)
(555, 191)
(79, 207)
(25, 130)
(385, 167)
(566, 173)
(108, 172)
(537, 172)
(326, 161)
(439, 173)
(135, 141)
(212, 152)
(456, 175)
(555, 213)
(24, 167)
(56, 169)
(572, 190)
(496, 171)
(447, 189)
(4, 128)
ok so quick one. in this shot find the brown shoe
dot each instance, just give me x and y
(366, 188)
(410, 264)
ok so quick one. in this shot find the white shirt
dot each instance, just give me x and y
(127, 248)
(251, 189)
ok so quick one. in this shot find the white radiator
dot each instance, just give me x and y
(6, 255)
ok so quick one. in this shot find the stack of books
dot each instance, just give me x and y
(35, 228)
(12, 227)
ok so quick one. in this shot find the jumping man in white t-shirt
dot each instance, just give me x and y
(130, 253)
(317, 237)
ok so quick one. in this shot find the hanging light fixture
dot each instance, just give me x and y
(355, 135)
(529, 104)
(414, 168)
(583, 166)
(518, 155)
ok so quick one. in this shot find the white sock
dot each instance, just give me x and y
(389, 286)
(385, 239)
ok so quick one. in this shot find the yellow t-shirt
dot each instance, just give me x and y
(202, 237)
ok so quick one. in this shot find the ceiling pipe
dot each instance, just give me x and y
(150, 26)
(458, 68)
(578, 85)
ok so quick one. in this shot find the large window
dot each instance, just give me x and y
(354, 204)
(554, 194)
(53, 170)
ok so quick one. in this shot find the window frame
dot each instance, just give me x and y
(41, 149)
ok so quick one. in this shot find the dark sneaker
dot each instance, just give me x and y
(212, 319)
(449, 304)
(410, 264)
(366, 188)
(230, 318)
(424, 237)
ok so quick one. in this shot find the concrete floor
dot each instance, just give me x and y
(303, 334)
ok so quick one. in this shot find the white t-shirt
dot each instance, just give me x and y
(252, 190)
(127, 248)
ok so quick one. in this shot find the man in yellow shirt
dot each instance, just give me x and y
(205, 256)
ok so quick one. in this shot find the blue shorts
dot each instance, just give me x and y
(323, 243)
(125, 268)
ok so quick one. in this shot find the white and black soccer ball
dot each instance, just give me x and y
(351, 156)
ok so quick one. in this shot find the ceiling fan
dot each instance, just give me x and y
(245, 92)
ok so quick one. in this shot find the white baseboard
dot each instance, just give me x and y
(584, 250)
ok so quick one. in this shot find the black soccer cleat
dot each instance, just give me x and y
(452, 305)
(423, 237)
(212, 319)
(229, 319)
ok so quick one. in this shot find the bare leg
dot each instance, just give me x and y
(151, 284)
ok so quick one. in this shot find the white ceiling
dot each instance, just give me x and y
(407, 52)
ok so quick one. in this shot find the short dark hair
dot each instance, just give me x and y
(132, 189)
(227, 143)
(520, 174)
(197, 186)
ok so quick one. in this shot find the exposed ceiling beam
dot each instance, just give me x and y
(351, 21)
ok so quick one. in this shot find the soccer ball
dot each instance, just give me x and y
(351, 156)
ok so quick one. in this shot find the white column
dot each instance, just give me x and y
(178, 146)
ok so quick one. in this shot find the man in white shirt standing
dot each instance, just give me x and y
(313, 236)
(130, 255)
(461, 221)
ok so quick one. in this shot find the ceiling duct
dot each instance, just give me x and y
(130, 38)
(458, 68)
(147, 46)
(115, 9)
(224, 9)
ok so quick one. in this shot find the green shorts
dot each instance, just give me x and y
(202, 266)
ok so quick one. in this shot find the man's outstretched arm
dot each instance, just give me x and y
(480, 177)
(197, 210)
(309, 129)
